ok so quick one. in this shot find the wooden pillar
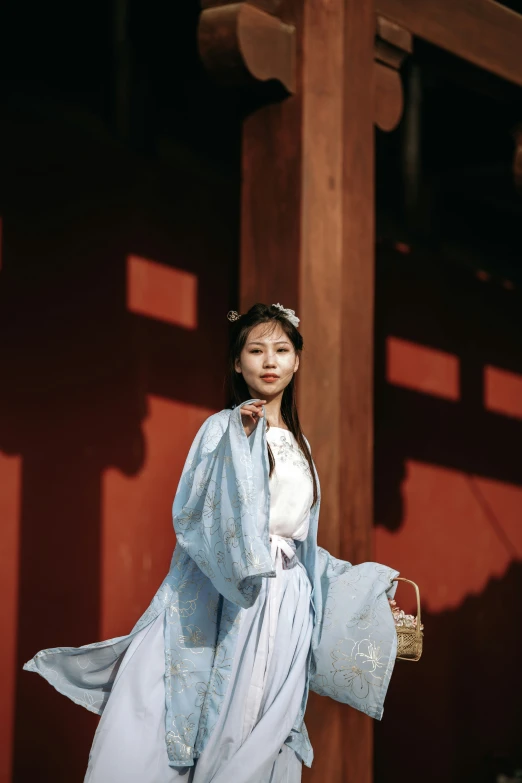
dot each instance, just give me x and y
(307, 241)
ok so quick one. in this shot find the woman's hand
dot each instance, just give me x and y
(250, 415)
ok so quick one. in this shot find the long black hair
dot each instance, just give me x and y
(237, 388)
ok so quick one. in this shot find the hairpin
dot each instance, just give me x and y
(233, 315)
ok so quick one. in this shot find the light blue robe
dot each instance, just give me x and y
(221, 519)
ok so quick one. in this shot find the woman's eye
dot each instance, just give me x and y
(258, 350)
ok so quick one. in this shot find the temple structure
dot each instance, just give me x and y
(359, 161)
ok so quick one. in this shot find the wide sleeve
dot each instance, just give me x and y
(220, 511)
(354, 645)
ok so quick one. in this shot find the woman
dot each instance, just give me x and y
(212, 683)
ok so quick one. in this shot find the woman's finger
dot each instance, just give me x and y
(251, 414)
(253, 407)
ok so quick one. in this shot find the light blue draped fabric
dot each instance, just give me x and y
(355, 642)
(221, 518)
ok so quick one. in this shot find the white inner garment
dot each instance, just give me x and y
(291, 487)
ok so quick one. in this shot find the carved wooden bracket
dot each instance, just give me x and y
(244, 41)
(392, 45)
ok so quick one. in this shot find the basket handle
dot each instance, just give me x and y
(402, 579)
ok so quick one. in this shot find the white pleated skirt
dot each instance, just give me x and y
(262, 702)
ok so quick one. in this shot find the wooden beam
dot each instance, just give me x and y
(307, 240)
(392, 43)
(481, 31)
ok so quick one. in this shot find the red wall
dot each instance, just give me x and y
(448, 501)
(116, 278)
(10, 477)
(137, 536)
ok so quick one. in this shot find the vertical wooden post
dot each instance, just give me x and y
(357, 317)
(307, 241)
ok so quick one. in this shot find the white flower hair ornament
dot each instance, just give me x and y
(290, 315)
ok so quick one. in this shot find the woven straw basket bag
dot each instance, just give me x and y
(409, 640)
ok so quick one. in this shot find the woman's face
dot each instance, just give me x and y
(268, 361)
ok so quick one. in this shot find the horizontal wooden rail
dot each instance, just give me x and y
(480, 31)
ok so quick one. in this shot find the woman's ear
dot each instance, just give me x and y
(237, 366)
(296, 365)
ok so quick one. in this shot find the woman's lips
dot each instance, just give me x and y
(270, 378)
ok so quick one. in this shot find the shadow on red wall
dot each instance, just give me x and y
(448, 505)
(77, 369)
